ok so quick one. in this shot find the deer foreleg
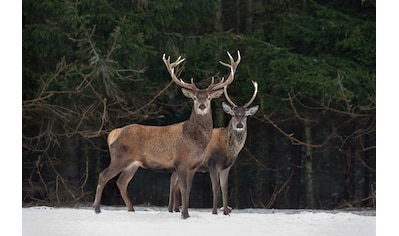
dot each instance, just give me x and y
(189, 182)
(224, 176)
(181, 174)
(176, 196)
(215, 188)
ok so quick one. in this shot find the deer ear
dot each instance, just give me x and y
(217, 93)
(227, 109)
(252, 110)
(187, 93)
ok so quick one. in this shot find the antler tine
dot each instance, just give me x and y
(171, 69)
(254, 95)
(233, 67)
(213, 80)
(194, 87)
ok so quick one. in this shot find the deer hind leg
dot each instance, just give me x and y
(171, 189)
(108, 173)
(224, 177)
(215, 187)
(123, 181)
(173, 193)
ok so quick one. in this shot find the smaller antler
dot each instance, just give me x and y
(171, 69)
(248, 103)
(233, 67)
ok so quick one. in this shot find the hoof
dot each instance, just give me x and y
(184, 216)
(177, 210)
(227, 211)
(97, 210)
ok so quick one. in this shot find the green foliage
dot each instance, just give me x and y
(307, 49)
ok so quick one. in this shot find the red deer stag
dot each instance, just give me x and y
(221, 152)
(178, 147)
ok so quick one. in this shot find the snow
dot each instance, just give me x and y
(157, 220)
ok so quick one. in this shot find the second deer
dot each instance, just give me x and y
(221, 152)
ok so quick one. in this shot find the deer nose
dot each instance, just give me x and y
(202, 106)
(240, 126)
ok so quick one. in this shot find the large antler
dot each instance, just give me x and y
(248, 103)
(233, 67)
(171, 69)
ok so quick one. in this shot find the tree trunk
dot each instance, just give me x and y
(295, 183)
(218, 16)
(72, 169)
(267, 141)
(349, 169)
(238, 16)
(249, 19)
(310, 200)
(367, 190)
(236, 186)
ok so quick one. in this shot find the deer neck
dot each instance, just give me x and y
(236, 139)
(199, 128)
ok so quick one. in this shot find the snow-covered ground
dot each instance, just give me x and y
(158, 221)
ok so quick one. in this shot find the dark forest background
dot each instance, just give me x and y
(92, 66)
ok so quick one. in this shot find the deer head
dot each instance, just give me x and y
(240, 113)
(202, 97)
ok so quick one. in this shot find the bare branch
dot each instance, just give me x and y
(277, 192)
(294, 140)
